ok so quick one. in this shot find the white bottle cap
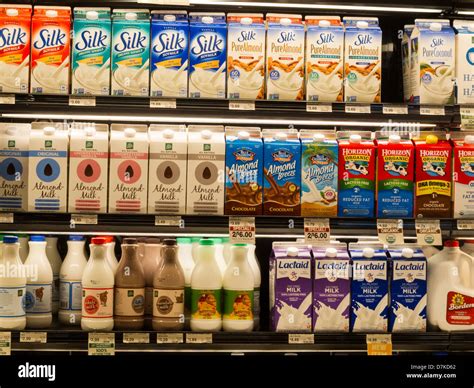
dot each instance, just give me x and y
(169, 18)
(208, 20)
(130, 132)
(362, 24)
(394, 139)
(436, 27)
(246, 21)
(281, 136)
(292, 251)
(368, 252)
(131, 16)
(470, 27)
(285, 21)
(92, 15)
(407, 253)
(469, 139)
(324, 23)
(48, 131)
(11, 130)
(206, 134)
(331, 252)
(168, 134)
(243, 135)
(355, 138)
(51, 13)
(12, 12)
(319, 137)
(89, 131)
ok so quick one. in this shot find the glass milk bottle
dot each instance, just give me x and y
(55, 260)
(185, 256)
(150, 263)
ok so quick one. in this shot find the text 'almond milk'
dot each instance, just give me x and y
(463, 176)
(88, 168)
(128, 168)
(464, 61)
(15, 24)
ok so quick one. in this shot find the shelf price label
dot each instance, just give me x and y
(428, 232)
(300, 339)
(37, 337)
(242, 230)
(84, 219)
(379, 344)
(160, 103)
(465, 224)
(390, 231)
(5, 343)
(318, 107)
(101, 344)
(7, 99)
(428, 110)
(169, 338)
(358, 108)
(241, 105)
(136, 338)
(6, 218)
(81, 101)
(467, 118)
(391, 109)
(317, 230)
(199, 338)
(169, 221)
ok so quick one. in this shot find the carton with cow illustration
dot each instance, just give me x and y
(463, 176)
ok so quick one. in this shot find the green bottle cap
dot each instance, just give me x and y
(208, 241)
(183, 240)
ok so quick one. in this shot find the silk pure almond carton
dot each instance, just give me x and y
(463, 176)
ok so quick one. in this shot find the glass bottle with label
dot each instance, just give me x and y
(185, 256)
(39, 285)
(55, 260)
(150, 263)
(70, 278)
(168, 290)
(129, 289)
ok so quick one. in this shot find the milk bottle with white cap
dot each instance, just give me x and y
(54, 259)
(12, 286)
(463, 177)
(464, 61)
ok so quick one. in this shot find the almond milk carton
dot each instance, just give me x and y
(206, 167)
(246, 56)
(463, 176)
(88, 168)
(285, 57)
(362, 60)
(15, 23)
(464, 61)
(47, 167)
(50, 50)
(168, 162)
(128, 168)
(324, 58)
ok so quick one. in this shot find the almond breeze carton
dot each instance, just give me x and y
(463, 176)
(15, 23)
(291, 295)
(14, 139)
(464, 61)
(169, 54)
(324, 58)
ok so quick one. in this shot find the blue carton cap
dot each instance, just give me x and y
(10, 239)
(76, 237)
(37, 238)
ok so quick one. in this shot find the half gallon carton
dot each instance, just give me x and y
(369, 288)
(464, 61)
(91, 51)
(246, 56)
(433, 175)
(395, 175)
(14, 145)
(169, 54)
(463, 176)
(432, 62)
(291, 287)
(244, 171)
(167, 169)
(207, 55)
(362, 60)
(128, 177)
(324, 58)
(285, 57)
(50, 50)
(206, 169)
(15, 23)
(88, 168)
(130, 52)
(407, 289)
(356, 174)
(331, 288)
(406, 60)
(47, 167)
(282, 173)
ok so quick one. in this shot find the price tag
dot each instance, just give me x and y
(159, 103)
(6, 218)
(395, 109)
(428, 232)
(241, 105)
(7, 99)
(199, 338)
(357, 109)
(5, 343)
(379, 344)
(467, 118)
(84, 219)
(318, 108)
(37, 337)
(432, 110)
(101, 344)
(299, 339)
(390, 231)
(169, 338)
(81, 101)
(317, 230)
(136, 338)
(242, 230)
(465, 224)
(168, 221)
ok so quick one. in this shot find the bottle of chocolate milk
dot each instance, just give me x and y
(168, 292)
(129, 289)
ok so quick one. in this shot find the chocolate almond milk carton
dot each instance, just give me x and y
(244, 171)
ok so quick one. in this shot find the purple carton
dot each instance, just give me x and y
(291, 287)
(331, 288)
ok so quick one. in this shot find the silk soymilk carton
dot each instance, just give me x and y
(319, 173)
(331, 288)
(130, 52)
(128, 168)
(246, 56)
(362, 60)
(407, 289)
(167, 169)
(324, 58)
(291, 295)
(285, 57)
(88, 168)
(406, 61)
(207, 55)
(50, 50)
(91, 51)
(169, 54)
(47, 167)
(432, 66)
(15, 23)
(464, 61)
(369, 288)
(14, 139)
(463, 176)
